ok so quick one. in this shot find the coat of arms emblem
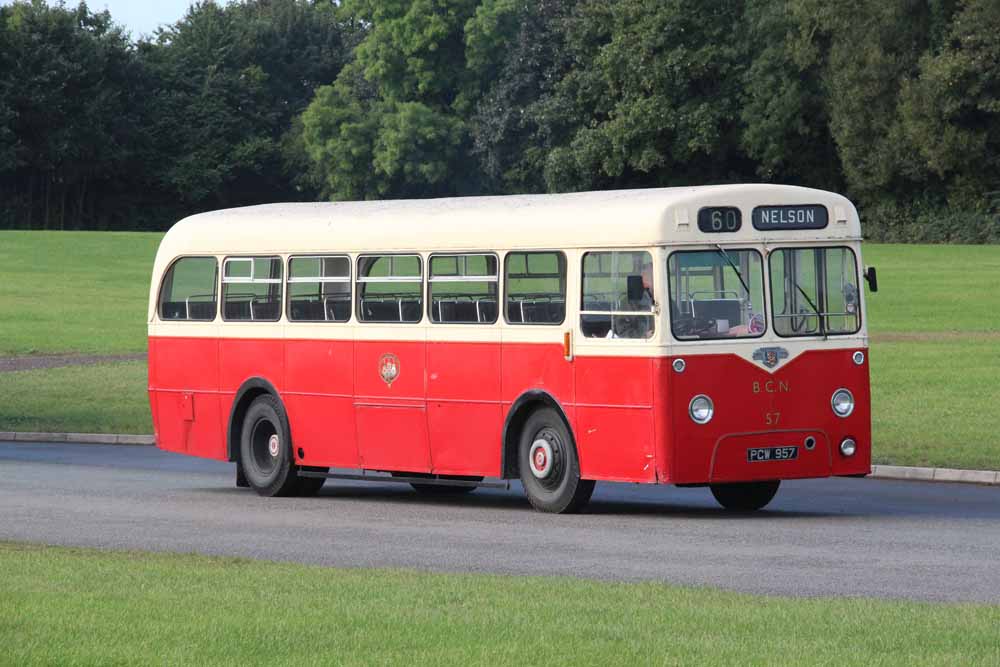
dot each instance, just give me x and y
(388, 368)
(770, 356)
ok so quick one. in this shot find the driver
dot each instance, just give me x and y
(639, 326)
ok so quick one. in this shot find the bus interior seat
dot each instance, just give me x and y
(720, 309)
(266, 308)
(338, 310)
(173, 310)
(595, 326)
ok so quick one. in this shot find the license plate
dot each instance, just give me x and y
(757, 454)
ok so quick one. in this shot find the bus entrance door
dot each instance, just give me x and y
(389, 406)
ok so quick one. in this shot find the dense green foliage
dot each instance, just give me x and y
(895, 102)
(99, 132)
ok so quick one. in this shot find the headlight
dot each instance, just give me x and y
(701, 409)
(848, 447)
(842, 402)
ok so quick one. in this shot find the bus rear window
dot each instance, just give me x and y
(188, 290)
(535, 288)
(814, 291)
(716, 294)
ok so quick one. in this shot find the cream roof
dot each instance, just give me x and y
(583, 219)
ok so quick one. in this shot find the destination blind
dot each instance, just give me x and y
(811, 216)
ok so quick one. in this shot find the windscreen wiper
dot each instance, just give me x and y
(819, 316)
(733, 265)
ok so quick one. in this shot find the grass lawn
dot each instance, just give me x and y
(74, 606)
(935, 329)
(107, 398)
(74, 291)
(935, 357)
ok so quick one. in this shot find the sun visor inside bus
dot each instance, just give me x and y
(700, 259)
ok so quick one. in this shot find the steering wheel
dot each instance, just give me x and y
(694, 326)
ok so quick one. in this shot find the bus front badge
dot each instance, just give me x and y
(770, 356)
(388, 367)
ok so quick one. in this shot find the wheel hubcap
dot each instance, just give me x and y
(265, 447)
(540, 457)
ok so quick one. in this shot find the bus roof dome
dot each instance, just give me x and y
(645, 217)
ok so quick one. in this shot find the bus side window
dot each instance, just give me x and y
(463, 289)
(188, 290)
(251, 289)
(535, 288)
(390, 288)
(319, 288)
(617, 285)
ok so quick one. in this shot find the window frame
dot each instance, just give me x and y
(651, 313)
(463, 279)
(252, 281)
(764, 295)
(407, 279)
(506, 285)
(216, 288)
(289, 280)
(857, 282)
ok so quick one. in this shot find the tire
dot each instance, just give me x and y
(745, 496)
(552, 483)
(266, 452)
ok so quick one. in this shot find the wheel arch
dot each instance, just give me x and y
(248, 391)
(517, 415)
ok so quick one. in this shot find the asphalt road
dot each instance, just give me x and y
(843, 537)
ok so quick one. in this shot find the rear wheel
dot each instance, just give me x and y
(549, 466)
(745, 496)
(266, 452)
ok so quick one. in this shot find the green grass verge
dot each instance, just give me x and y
(935, 403)
(934, 288)
(105, 398)
(74, 291)
(74, 606)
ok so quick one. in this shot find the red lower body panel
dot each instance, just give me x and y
(444, 409)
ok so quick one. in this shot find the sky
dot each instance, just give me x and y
(140, 17)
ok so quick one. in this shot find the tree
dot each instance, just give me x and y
(517, 48)
(393, 123)
(228, 82)
(951, 108)
(785, 116)
(67, 85)
(653, 98)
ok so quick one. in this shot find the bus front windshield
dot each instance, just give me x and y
(814, 291)
(716, 294)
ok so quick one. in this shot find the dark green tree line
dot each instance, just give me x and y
(895, 102)
(99, 132)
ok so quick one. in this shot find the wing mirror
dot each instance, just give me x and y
(871, 277)
(634, 288)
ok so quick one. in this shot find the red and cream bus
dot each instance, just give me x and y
(705, 336)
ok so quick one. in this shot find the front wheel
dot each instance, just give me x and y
(549, 466)
(745, 496)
